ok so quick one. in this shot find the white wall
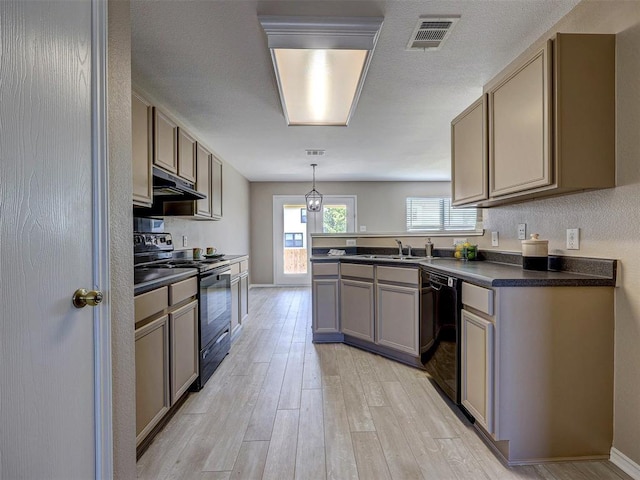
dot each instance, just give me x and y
(609, 220)
(380, 207)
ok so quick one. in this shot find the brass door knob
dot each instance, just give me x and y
(82, 298)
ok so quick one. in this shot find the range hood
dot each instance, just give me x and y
(169, 188)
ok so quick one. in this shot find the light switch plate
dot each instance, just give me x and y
(184, 240)
(573, 239)
(522, 231)
(351, 242)
(494, 239)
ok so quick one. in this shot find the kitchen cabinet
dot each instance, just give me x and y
(235, 306)
(239, 293)
(165, 138)
(166, 352)
(142, 150)
(184, 349)
(469, 164)
(152, 375)
(203, 180)
(550, 125)
(476, 383)
(398, 309)
(216, 188)
(186, 156)
(357, 301)
(537, 369)
(326, 304)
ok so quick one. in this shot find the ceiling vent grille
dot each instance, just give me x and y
(431, 32)
(314, 153)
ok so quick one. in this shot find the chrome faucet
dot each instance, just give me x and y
(399, 246)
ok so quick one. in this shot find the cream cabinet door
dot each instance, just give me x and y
(184, 349)
(235, 304)
(325, 305)
(186, 156)
(357, 309)
(244, 297)
(216, 188)
(477, 368)
(398, 316)
(152, 375)
(165, 137)
(469, 163)
(520, 128)
(142, 148)
(203, 180)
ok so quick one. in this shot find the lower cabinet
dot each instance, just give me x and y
(357, 309)
(325, 306)
(235, 304)
(244, 296)
(398, 315)
(184, 349)
(152, 375)
(477, 368)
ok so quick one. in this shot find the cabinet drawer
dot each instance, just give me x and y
(325, 269)
(182, 290)
(235, 269)
(409, 276)
(477, 297)
(358, 271)
(244, 265)
(151, 303)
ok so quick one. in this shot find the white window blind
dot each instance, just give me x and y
(436, 214)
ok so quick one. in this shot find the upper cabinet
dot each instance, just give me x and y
(519, 128)
(165, 142)
(550, 126)
(186, 156)
(469, 154)
(216, 188)
(142, 150)
(203, 180)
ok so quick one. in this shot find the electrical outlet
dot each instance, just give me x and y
(573, 239)
(184, 240)
(456, 241)
(522, 231)
(363, 228)
(494, 239)
(351, 242)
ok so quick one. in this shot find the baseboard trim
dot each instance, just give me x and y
(624, 463)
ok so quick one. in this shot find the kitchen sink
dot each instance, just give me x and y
(392, 257)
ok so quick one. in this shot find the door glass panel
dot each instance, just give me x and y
(334, 219)
(295, 239)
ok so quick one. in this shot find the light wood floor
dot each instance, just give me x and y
(280, 407)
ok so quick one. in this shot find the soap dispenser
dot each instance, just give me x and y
(429, 248)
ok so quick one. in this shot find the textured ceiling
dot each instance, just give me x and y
(208, 62)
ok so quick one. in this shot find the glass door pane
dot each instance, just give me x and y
(294, 252)
(334, 219)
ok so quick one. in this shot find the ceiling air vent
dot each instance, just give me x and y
(314, 153)
(431, 32)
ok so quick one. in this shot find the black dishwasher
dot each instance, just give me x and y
(440, 331)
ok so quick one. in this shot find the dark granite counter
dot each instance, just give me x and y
(146, 279)
(495, 274)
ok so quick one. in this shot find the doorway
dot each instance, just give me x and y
(292, 229)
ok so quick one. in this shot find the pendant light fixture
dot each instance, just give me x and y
(314, 197)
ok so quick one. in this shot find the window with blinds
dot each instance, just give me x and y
(436, 214)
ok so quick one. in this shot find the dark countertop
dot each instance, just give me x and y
(485, 273)
(146, 279)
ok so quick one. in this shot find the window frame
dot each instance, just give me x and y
(446, 212)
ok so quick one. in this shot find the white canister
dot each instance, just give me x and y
(535, 253)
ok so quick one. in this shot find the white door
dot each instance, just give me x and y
(293, 226)
(54, 358)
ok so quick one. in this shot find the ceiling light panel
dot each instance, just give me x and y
(320, 65)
